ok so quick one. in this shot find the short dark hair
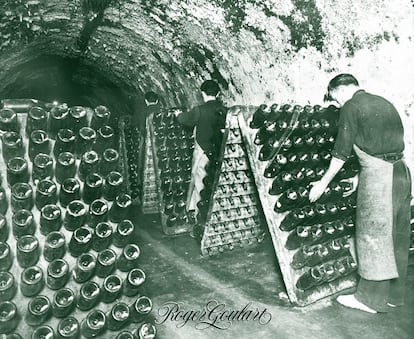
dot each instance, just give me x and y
(343, 79)
(151, 96)
(210, 87)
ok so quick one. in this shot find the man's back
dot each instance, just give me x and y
(373, 122)
(207, 120)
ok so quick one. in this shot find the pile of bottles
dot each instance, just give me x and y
(69, 213)
(132, 137)
(236, 217)
(174, 147)
(297, 143)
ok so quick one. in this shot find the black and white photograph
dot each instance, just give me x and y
(206, 169)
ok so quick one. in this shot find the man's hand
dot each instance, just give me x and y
(353, 182)
(318, 187)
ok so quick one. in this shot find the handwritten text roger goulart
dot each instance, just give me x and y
(213, 314)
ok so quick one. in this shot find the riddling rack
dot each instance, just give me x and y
(130, 149)
(150, 203)
(289, 147)
(234, 216)
(172, 149)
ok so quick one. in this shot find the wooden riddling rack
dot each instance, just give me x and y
(22, 301)
(234, 214)
(173, 143)
(130, 165)
(150, 202)
(292, 123)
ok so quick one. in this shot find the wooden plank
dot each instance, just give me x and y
(284, 256)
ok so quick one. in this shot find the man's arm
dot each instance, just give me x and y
(319, 187)
(342, 150)
(188, 118)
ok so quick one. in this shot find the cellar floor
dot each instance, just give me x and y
(176, 272)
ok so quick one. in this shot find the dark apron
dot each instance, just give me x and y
(379, 194)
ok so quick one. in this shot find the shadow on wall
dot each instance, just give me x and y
(53, 78)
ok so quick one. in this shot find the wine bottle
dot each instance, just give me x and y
(299, 237)
(287, 109)
(292, 198)
(278, 184)
(269, 149)
(259, 117)
(309, 140)
(301, 257)
(310, 278)
(68, 328)
(293, 219)
(297, 142)
(307, 110)
(265, 132)
(275, 166)
(304, 126)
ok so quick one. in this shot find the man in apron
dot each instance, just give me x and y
(371, 126)
(207, 122)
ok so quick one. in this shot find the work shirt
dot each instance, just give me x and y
(370, 122)
(207, 121)
(141, 112)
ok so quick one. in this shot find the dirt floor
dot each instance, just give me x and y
(177, 273)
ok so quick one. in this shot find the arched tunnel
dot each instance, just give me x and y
(111, 52)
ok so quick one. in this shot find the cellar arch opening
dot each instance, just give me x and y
(49, 78)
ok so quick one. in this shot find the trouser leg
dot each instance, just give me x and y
(198, 172)
(373, 294)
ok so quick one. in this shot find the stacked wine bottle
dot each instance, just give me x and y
(89, 257)
(294, 146)
(230, 207)
(150, 203)
(173, 150)
(130, 145)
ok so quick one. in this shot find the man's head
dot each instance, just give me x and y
(151, 98)
(341, 88)
(209, 89)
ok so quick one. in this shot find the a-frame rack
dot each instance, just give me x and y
(234, 216)
(274, 219)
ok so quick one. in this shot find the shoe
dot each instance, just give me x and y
(351, 302)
